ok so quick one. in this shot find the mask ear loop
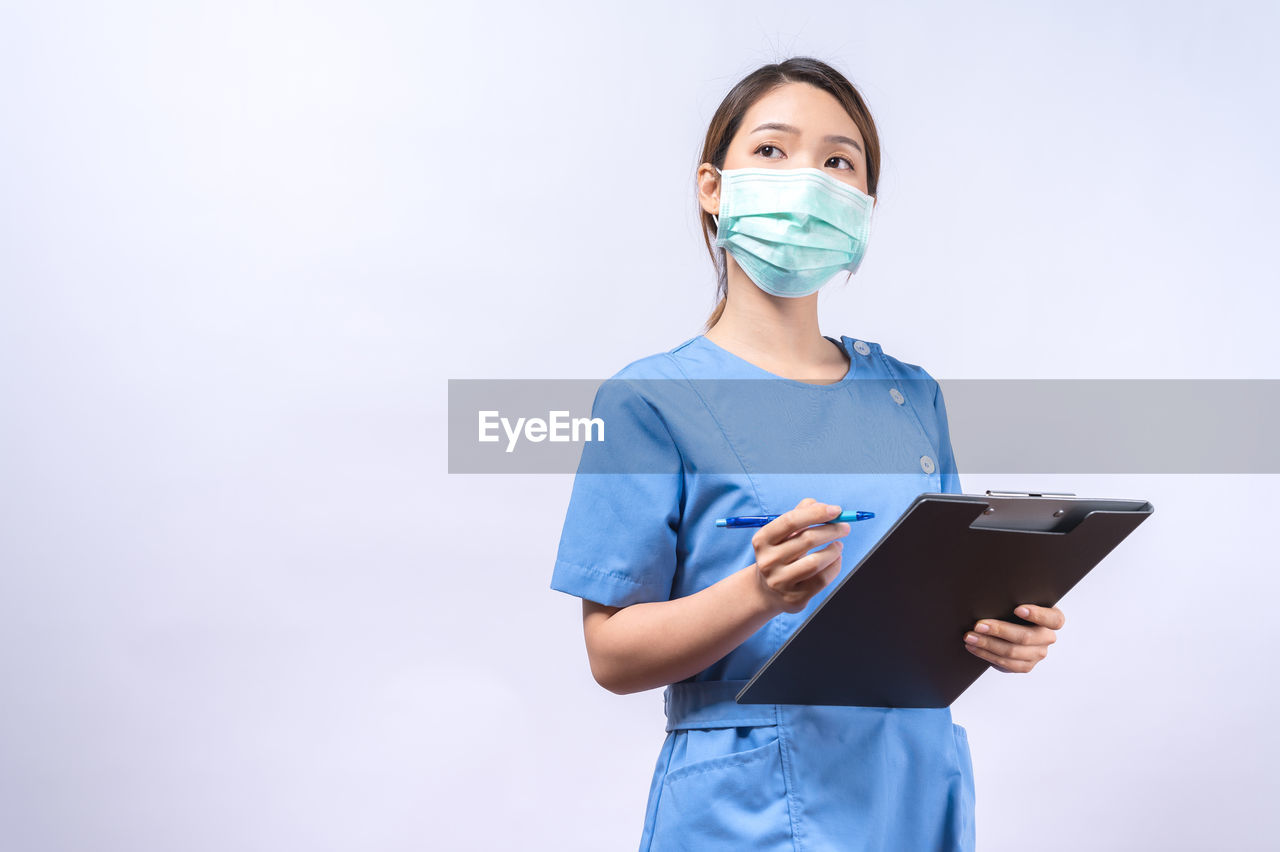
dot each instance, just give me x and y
(714, 216)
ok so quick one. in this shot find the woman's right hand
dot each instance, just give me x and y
(788, 574)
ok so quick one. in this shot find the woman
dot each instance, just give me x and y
(786, 184)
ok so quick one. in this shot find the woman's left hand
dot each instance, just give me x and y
(1016, 647)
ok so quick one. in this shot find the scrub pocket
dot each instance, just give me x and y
(724, 789)
(966, 830)
(963, 755)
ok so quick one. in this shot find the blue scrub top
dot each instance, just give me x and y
(683, 447)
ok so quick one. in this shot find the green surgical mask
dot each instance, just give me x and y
(792, 230)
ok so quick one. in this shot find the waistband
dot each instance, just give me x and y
(711, 704)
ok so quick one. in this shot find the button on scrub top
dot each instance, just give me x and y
(686, 441)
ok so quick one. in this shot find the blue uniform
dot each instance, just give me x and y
(685, 447)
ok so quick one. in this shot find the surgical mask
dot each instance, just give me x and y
(792, 230)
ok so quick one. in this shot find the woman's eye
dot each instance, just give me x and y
(769, 147)
(849, 163)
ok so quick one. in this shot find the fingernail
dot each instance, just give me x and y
(971, 639)
(983, 628)
(1023, 611)
(834, 510)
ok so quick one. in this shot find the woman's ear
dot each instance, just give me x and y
(709, 188)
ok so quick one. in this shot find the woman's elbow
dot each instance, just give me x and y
(608, 672)
(606, 668)
(606, 677)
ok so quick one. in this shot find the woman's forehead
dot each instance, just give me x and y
(799, 109)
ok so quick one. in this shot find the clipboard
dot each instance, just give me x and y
(890, 634)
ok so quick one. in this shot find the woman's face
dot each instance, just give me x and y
(795, 125)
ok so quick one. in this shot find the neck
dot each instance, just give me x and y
(772, 326)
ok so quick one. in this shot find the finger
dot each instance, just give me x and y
(990, 658)
(807, 539)
(806, 567)
(819, 581)
(805, 502)
(1016, 633)
(788, 523)
(1000, 663)
(1049, 616)
(1007, 650)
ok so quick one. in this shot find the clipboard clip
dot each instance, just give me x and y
(991, 493)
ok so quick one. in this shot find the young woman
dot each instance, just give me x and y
(786, 184)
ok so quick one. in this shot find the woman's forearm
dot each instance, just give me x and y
(647, 645)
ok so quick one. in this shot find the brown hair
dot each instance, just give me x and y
(728, 118)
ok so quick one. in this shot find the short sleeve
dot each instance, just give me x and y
(618, 544)
(946, 456)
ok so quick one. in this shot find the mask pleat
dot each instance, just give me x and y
(792, 230)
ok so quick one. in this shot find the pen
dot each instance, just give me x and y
(761, 520)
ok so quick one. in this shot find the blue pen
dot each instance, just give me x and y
(761, 520)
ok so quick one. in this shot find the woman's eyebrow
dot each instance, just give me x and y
(787, 128)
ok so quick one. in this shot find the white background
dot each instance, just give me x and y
(243, 605)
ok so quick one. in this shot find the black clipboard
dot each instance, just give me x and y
(890, 634)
